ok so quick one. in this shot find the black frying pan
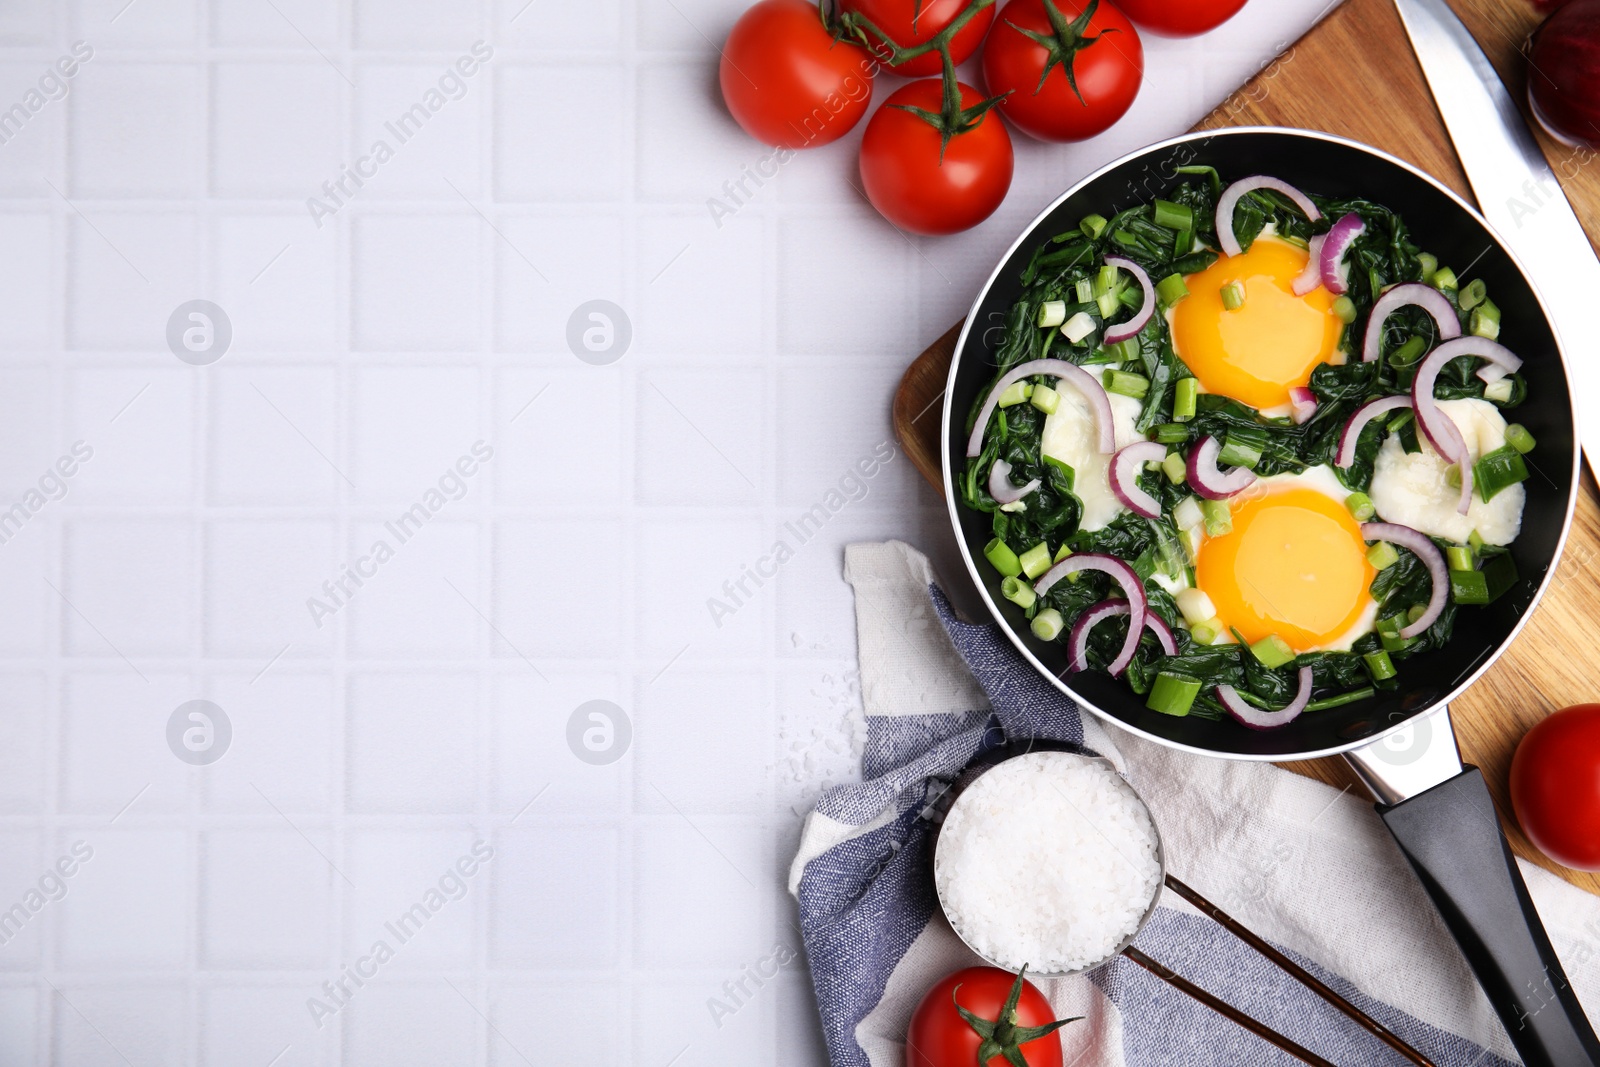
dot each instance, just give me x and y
(1399, 741)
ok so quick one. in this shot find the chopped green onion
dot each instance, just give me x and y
(1106, 281)
(1048, 624)
(1125, 239)
(1485, 321)
(1188, 513)
(1361, 506)
(1015, 394)
(1124, 350)
(1238, 454)
(1472, 294)
(1407, 353)
(1382, 556)
(1107, 303)
(1171, 289)
(1500, 573)
(1193, 537)
(1475, 541)
(1084, 290)
(1389, 635)
(1062, 553)
(1093, 226)
(1018, 592)
(1379, 665)
(1175, 467)
(1052, 313)
(1045, 399)
(1429, 263)
(998, 553)
(1196, 606)
(1171, 433)
(1218, 519)
(1173, 216)
(1415, 612)
(1345, 308)
(1172, 694)
(1497, 470)
(1480, 325)
(1233, 296)
(1452, 476)
(1500, 390)
(1273, 651)
(1444, 279)
(1400, 419)
(1182, 242)
(1183, 399)
(1469, 587)
(1036, 560)
(1078, 327)
(1207, 632)
(1125, 383)
(1518, 437)
(1460, 558)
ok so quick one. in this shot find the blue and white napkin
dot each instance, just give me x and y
(1310, 869)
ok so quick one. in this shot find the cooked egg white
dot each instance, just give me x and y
(1294, 565)
(1069, 435)
(1410, 488)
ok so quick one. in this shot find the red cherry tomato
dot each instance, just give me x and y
(1107, 61)
(788, 82)
(909, 184)
(895, 18)
(939, 1037)
(1180, 18)
(1555, 786)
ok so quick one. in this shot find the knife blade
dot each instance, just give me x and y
(1518, 193)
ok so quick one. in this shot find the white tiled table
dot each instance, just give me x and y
(430, 709)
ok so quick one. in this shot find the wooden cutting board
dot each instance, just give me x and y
(1355, 75)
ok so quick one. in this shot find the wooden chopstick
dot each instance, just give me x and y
(1293, 969)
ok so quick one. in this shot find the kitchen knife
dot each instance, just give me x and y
(1518, 193)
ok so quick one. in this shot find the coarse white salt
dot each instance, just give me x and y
(1048, 860)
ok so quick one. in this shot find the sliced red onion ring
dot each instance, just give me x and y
(1125, 468)
(1078, 637)
(1350, 436)
(1125, 576)
(1418, 543)
(1082, 380)
(1124, 330)
(1230, 200)
(1311, 277)
(1210, 482)
(1000, 486)
(1338, 242)
(1442, 433)
(1249, 715)
(1302, 404)
(1426, 297)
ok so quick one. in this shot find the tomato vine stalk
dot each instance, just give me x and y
(951, 120)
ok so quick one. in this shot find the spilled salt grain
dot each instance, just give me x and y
(1049, 860)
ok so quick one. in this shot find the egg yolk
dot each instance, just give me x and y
(1294, 565)
(1259, 351)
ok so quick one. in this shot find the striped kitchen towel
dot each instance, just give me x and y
(1310, 869)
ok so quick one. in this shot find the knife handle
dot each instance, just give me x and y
(1452, 838)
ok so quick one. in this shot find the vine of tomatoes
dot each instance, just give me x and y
(936, 157)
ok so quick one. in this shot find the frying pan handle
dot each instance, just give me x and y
(1452, 837)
